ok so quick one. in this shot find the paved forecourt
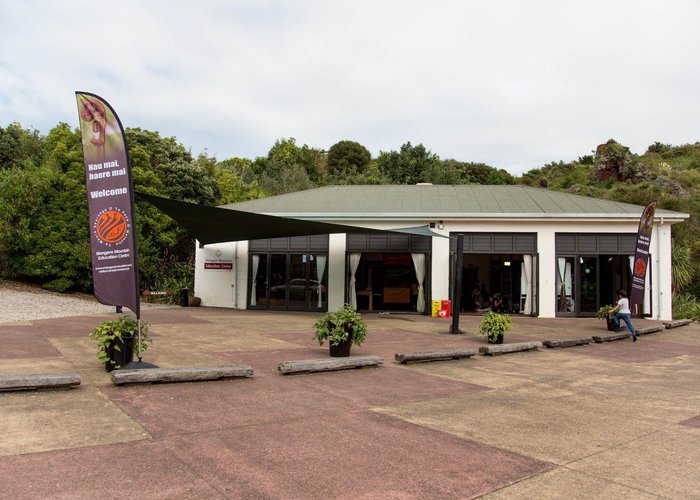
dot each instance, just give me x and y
(608, 419)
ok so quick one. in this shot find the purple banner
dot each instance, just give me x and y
(641, 258)
(110, 204)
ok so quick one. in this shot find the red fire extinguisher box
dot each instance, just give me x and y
(446, 308)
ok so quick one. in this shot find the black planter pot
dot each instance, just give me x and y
(123, 356)
(497, 340)
(611, 325)
(341, 350)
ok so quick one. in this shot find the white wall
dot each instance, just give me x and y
(221, 288)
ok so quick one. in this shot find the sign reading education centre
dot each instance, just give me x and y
(110, 204)
(641, 257)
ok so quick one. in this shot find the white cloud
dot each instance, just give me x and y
(515, 84)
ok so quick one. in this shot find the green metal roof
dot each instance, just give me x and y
(460, 201)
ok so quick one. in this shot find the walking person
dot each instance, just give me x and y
(622, 311)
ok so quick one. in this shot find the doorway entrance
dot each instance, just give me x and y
(586, 282)
(289, 281)
(389, 281)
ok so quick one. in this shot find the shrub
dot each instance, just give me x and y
(686, 306)
(494, 324)
(339, 326)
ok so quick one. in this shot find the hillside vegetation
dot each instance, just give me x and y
(44, 234)
(666, 173)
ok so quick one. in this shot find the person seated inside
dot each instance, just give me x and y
(497, 304)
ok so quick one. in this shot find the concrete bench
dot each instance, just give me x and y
(609, 338)
(327, 364)
(676, 323)
(32, 381)
(649, 329)
(506, 348)
(568, 342)
(418, 357)
(164, 375)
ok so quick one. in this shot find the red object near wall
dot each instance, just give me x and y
(446, 306)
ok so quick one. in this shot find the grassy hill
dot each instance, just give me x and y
(666, 173)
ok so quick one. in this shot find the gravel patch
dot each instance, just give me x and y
(21, 302)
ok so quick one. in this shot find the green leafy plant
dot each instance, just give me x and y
(109, 335)
(494, 324)
(604, 311)
(339, 326)
(686, 306)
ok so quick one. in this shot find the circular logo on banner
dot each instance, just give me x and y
(111, 226)
(640, 267)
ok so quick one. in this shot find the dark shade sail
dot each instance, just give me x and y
(216, 225)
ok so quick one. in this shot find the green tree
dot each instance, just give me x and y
(18, 146)
(161, 150)
(288, 168)
(45, 236)
(410, 165)
(234, 188)
(347, 159)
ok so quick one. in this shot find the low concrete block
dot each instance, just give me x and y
(610, 337)
(568, 342)
(649, 329)
(676, 323)
(164, 375)
(31, 381)
(506, 348)
(327, 364)
(418, 357)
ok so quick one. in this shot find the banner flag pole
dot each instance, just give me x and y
(641, 259)
(110, 198)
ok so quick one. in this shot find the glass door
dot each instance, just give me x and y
(566, 285)
(577, 285)
(318, 282)
(289, 281)
(258, 290)
(298, 281)
(588, 279)
(278, 280)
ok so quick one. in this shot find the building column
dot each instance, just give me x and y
(440, 270)
(546, 273)
(662, 272)
(336, 271)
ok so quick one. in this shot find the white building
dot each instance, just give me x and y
(548, 253)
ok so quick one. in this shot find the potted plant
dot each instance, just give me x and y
(494, 326)
(117, 341)
(341, 328)
(604, 313)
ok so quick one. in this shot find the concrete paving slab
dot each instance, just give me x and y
(40, 421)
(24, 345)
(199, 407)
(348, 455)
(569, 484)
(131, 470)
(553, 429)
(35, 365)
(557, 420)
(665, 461)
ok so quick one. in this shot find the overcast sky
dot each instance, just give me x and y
(514, 84)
